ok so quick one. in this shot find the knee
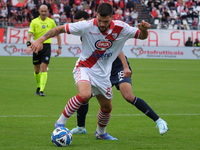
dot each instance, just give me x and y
(44, 68)
(37, 71)
(106, 108)
(129, 98)
(85, 95)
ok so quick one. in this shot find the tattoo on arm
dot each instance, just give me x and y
(53, 32)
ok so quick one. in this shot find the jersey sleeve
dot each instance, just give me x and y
(131, 32)
(76, 28)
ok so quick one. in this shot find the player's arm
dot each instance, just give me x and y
(127, 71)
(143, 26)
(59, 45)
(28, 43)
(38, 44)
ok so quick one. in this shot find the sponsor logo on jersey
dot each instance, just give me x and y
(94, 33)
(103, 44)
(102, 56)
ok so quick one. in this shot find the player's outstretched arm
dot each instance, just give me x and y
(143, 26)
(127, 71)
(28, 39)
(38, 44)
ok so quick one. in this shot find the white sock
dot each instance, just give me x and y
(80, 128)
(62, 119)
(101, 130)
(159, 119)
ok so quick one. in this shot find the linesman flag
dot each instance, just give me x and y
(19, 3)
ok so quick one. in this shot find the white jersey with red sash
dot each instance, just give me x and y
(99, 50)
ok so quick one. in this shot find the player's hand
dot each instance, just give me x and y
(59, 51)
(37, 46)
(28, 51)
(127, 72)
(143, 26)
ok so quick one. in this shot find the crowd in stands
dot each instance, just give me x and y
(62, 11)
(179, 14)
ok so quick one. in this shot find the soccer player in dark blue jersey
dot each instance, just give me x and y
(121, 79)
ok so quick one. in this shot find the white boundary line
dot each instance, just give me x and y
(113, 115)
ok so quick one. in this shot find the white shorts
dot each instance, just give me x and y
(98, 85)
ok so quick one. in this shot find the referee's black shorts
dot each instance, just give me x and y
(43, 55)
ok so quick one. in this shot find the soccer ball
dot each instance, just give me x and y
(61, 137)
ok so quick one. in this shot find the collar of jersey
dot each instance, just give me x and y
(41, 19)
(111, 25)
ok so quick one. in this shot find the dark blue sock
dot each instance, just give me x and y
(145, 108)
(81, 115)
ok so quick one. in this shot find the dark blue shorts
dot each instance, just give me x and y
(117, 73)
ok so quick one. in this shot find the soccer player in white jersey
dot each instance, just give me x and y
(121, 79)
(102, 42)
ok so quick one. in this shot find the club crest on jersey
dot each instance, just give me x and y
(114, 35)
(103, 44)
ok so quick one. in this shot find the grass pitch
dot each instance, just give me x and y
(170, 87)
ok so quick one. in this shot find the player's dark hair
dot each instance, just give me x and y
(105, 9)
(81, 14)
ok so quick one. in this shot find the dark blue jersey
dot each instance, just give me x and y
(117, 73)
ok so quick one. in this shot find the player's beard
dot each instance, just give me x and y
(103, 28)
